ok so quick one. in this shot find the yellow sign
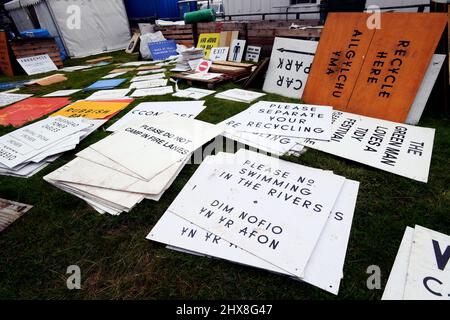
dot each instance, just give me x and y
(93, 109)
(208, 41)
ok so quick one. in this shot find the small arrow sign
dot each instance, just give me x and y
(294, 51)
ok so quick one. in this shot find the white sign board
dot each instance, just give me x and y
(37, 64)
(193, 93)
(289, 67)
(417, 108)
(394, 147)
(62, 93)
(159, 91)
(428, 276)
(10, 98)
(114, 94)
(219, 54)
(186, 109)
(236, 50)
(268, 207)
(252, 54)
(285, 119)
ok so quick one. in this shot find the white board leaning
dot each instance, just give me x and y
(289, 67)
(37, 64)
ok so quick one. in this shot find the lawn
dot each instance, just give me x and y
(117, 262)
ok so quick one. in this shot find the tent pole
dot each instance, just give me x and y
(57, 27)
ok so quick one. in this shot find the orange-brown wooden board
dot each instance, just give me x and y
(343, 45)
(395, 64)
(5, 58)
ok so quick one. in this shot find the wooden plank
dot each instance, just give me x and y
(405, 45)
(340, 55)
(298, 33)
(215, 68)
(101, 59)
(234, 64)
(5, 57)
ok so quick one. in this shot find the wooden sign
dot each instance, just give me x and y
(207, 41)
(227, 37)
(373, 72)
(134, 42)
(339, 58)
(395, 65)
(5, 58)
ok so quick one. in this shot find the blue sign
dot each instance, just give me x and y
(105, 84)
(162, 50)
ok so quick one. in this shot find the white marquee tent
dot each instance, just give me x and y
(85, 27)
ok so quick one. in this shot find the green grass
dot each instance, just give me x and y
(118, 262)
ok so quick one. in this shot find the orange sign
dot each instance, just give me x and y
(5, 58)
(380, 76)
(30, 109)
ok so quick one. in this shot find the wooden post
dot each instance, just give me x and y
(439, 101)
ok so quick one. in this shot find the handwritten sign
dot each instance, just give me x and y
(93, 109)
(219, 54)
(393, 147)
(289, 67)
(207, 41)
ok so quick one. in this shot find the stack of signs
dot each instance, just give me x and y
(115, 94)
(252, 54)
(94, 110)
(37, 64)
(236, 50)
(219, 54)
(394, 147)
(75, 68)
(138, 162)
(207, 41)
(193, 93)
(289, 67)
(240, 95)
(28, 150)
(30, 109)
(264, 212)
(162, 50)
(277, 127)
(421, 270)
(10, 98)
(185, 109)
(187, 56)
(375, 72)
(10, 211)
(105, 84)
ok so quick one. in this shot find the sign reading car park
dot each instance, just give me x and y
(289, 67)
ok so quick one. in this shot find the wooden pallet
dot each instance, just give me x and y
(213, 83)
(37, 46)
(183, 35)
